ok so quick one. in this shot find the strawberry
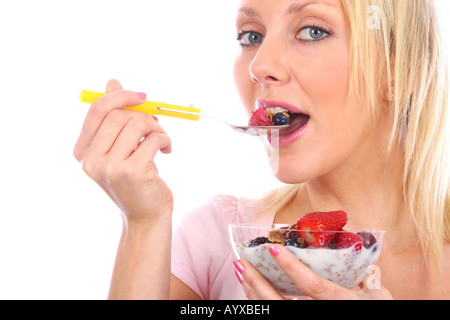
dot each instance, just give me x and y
(345, 240)
(309, 227)
(260, 118)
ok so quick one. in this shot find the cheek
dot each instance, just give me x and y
(325, 79)
(337, 126)
(326, 84)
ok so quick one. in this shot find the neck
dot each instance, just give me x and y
(371, 194)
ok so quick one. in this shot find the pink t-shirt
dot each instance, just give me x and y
(202, 256)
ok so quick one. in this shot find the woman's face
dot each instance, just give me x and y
(295, 54)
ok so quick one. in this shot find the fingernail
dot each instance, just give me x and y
(274, 251)
(142, 95)
(155, 118)
(238, 266)
(239, 276)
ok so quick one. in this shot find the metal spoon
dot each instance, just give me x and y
(250, 130)
(188, 113)
(255, 131)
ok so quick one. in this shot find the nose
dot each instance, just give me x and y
(268, 67)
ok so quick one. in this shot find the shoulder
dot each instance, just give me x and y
(210, 221)
(223, 210)
(201, 252)
(220, 208)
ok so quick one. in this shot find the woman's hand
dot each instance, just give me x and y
(257, 287)
(117, 148)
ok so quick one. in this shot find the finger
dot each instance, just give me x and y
(98, 111)
(130, 137)
(255, 286)
(113, 85)
(305, 279)
(148, 148)
(110, 129)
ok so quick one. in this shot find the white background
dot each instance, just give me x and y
(58, 230)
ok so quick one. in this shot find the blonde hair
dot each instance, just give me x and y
(402, 51)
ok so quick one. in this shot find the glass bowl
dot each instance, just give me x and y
(346, 266)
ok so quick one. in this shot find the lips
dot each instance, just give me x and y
(299, 122)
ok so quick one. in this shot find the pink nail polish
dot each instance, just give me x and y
(142, 95)
(155, 118)
(239, 276)
(274, 251)
(238, 266)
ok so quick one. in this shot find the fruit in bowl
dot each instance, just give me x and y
(318, 240)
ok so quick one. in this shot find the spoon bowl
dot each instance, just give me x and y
(255, 131)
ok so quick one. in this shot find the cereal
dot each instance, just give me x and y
(346, 267)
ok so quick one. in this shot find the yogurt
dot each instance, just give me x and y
(346, 267)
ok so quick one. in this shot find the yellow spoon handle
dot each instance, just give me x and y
(151, 107)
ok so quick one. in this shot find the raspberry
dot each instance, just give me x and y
(260, 118)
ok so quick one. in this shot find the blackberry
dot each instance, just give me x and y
(295, 242)
(369, 239)
(258, 241)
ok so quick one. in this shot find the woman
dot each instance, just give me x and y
(370, 79)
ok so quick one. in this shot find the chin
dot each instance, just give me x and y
(290, 173)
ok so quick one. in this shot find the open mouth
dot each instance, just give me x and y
(297, 121)
(296, 118)
(280, 116)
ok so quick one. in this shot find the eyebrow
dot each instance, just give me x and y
(248, 11)
(293, 9)
(298, 7)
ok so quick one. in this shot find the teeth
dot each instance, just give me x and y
(276, 110)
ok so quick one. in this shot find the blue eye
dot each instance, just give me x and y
(249, 38)
(312, 34)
